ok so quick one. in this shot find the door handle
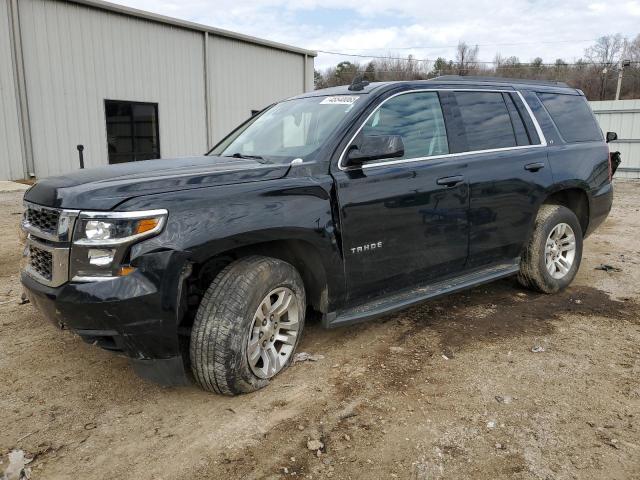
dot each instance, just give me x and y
(450, 181)
(534, 167)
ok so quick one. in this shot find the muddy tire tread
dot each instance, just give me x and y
(219, 330)
(531, 275)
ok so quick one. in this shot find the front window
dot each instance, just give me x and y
(288, 130)
(417, 118)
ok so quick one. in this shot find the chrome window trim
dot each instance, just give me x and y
(59, 263)
(137, 215)
(543, 140)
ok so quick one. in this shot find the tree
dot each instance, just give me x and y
(318, 79)
(586, 73)
(441, 66)
(606, 51)
(466, 56)
(370, 71)
(345, 68)
(633, 49)
(604, 55)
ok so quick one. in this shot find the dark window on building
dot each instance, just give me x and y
(572, 116)
(417, 118)
(132, 131)
(486, 120)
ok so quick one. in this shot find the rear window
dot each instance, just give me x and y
(486, 120)
(572, 116)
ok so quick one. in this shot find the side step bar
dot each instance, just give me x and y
(413, 296)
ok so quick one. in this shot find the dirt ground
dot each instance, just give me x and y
(449, 389)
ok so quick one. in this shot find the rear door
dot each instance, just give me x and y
(404, 220)
(507, 169)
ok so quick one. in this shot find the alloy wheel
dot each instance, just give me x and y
(560, 250)
(273, 332)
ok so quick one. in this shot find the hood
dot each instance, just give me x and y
(105, 187)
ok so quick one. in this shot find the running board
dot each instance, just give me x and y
(407, 298)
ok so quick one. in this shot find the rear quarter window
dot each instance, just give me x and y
(572, 116)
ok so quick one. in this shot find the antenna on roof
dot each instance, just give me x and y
(358, 83)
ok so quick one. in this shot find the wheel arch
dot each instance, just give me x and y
(576, 199)
(305, 257)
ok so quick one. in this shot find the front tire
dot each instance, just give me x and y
(551, 258)
(248, 325)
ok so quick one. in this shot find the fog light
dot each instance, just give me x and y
(100, 257)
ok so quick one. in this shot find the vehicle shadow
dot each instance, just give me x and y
(493, 311)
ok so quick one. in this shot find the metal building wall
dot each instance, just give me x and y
(247, 77)
(11, 159)
(74, 54)
(76, 57)
(622, 117)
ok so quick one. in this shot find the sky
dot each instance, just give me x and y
(424, 29)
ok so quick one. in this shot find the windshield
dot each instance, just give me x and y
(288, 130)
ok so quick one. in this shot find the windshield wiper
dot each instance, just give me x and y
(242, 155)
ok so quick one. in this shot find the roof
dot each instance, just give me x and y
(344, 89)
(500, 80)
(453, 81)
(154, 17)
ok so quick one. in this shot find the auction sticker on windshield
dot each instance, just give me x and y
(340, 100)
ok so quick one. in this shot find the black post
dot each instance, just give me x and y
(80, 154)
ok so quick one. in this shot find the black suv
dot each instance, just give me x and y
(351, 203)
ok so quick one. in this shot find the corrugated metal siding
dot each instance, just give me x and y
(76, 57)
(622, 117)
(11, 163)
(248, 77)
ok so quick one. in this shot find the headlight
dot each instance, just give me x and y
(101, 241)
(116, 228)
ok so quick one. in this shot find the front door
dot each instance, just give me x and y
(404, 220)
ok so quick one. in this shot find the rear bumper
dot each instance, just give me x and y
(600, 204)
(130, 315)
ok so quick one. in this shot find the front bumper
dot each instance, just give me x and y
(136, 315)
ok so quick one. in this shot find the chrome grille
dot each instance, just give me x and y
(43, 219)
(48, 242)
(41, 261)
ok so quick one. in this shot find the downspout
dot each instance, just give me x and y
(207, 115)
(304, 74)
(24, 124)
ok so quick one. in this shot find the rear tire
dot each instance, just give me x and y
(551, 258)
(245, 305)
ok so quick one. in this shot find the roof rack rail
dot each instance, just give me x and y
(476, 78)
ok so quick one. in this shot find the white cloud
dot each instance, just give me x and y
(525, 28)
(633, 8)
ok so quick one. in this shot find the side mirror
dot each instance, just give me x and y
(611, 136)
(375, 147)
